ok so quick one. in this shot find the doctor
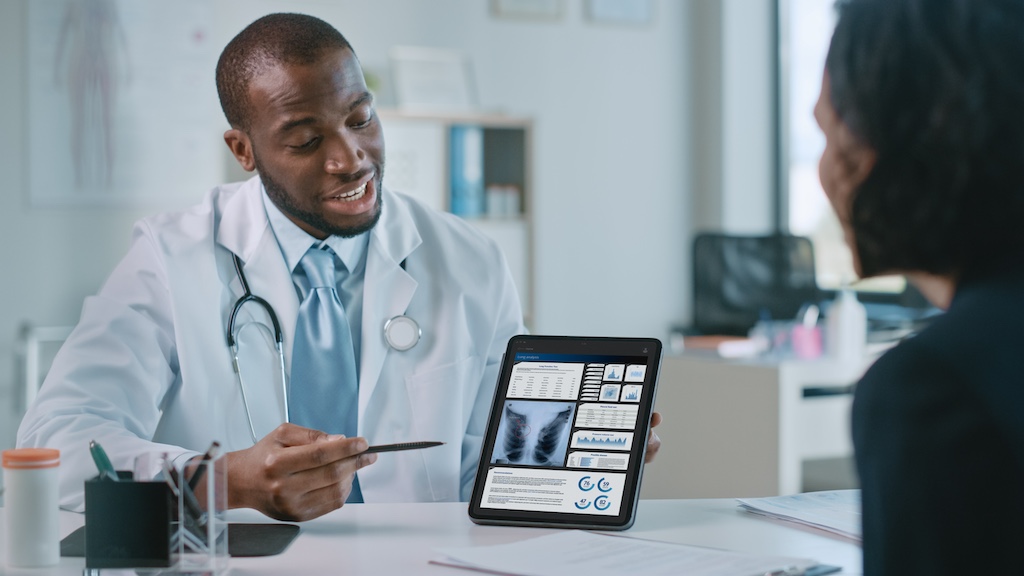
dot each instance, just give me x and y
(148, 369)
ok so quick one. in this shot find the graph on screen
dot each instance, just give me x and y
(602, 440)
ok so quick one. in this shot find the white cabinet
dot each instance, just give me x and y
(419, 161)
(745, 428)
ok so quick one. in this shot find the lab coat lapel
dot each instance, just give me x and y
(388, 288)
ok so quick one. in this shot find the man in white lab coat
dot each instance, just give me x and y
(148, 369)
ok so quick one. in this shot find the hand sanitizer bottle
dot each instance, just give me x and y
(846, 327)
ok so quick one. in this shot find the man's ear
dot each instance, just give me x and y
(241, 147)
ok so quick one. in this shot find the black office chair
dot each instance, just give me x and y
(738, 279)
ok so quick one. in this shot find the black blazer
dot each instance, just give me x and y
(938, 428)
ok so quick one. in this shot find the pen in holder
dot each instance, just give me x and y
(200, 534)
(128, 523)
(156, 520)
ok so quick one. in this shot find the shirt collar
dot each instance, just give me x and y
(295, 241)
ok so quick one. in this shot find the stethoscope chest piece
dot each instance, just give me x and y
(402, 333)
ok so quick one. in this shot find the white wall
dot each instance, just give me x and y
(49, 258)
(623, 166)
(611, 161)
(748, 68)
(733, 48)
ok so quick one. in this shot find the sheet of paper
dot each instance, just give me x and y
(579, 552)
(836, 511)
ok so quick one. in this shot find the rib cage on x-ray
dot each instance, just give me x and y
(534, 433)
(515, 434)
(547, 441)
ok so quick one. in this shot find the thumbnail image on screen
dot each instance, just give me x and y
(534, 433)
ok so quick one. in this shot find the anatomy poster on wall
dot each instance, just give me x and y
(122, 102)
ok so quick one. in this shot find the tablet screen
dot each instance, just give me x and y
(567, 434)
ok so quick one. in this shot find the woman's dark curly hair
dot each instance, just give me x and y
(936, 88)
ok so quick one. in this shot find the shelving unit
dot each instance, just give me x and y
(748, 427)
(419, 162)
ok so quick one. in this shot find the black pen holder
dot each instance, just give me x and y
(175, 527)
(128, 524)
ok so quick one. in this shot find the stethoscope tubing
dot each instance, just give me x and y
(411, 330)
(248, 296)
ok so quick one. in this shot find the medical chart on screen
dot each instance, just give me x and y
(567, 430)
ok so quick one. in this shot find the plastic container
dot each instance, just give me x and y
(846, 333)
(32, 507)
(806, 341)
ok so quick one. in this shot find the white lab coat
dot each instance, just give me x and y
(148, 368)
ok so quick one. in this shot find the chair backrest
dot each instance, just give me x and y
(36, 347)
(738, 279)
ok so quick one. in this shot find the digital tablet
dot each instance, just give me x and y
(567, 433)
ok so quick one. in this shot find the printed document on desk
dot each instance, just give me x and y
(580, 552)
(836, 511)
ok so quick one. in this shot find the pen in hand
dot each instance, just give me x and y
(401, 446)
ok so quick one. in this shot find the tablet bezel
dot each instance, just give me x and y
(573, 345)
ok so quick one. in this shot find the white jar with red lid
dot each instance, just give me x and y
(31, 506)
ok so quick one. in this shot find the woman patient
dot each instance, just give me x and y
(922, 106)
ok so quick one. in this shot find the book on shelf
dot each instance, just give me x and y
(467, 171)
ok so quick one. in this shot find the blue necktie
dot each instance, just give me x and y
(324, 392)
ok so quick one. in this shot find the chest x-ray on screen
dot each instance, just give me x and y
(533, 433)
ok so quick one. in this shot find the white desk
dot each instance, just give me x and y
(743, 427)
(399, 538)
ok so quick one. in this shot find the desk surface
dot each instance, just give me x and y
(400, 538)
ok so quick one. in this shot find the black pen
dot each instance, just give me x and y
(401, 446)
(194, 518)
(210, 455)
(193, 510)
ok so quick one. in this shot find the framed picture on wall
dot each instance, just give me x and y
(136, 123)
(635, 12)
(432, 79)
(537, 9)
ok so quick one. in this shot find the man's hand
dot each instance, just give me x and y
(653, 442)
(295, 473)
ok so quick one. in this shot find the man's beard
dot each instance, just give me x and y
(280, 197)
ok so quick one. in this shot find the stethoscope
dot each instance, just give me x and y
(401, 333)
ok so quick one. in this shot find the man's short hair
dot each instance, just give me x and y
(936, 89)
(272, 40)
